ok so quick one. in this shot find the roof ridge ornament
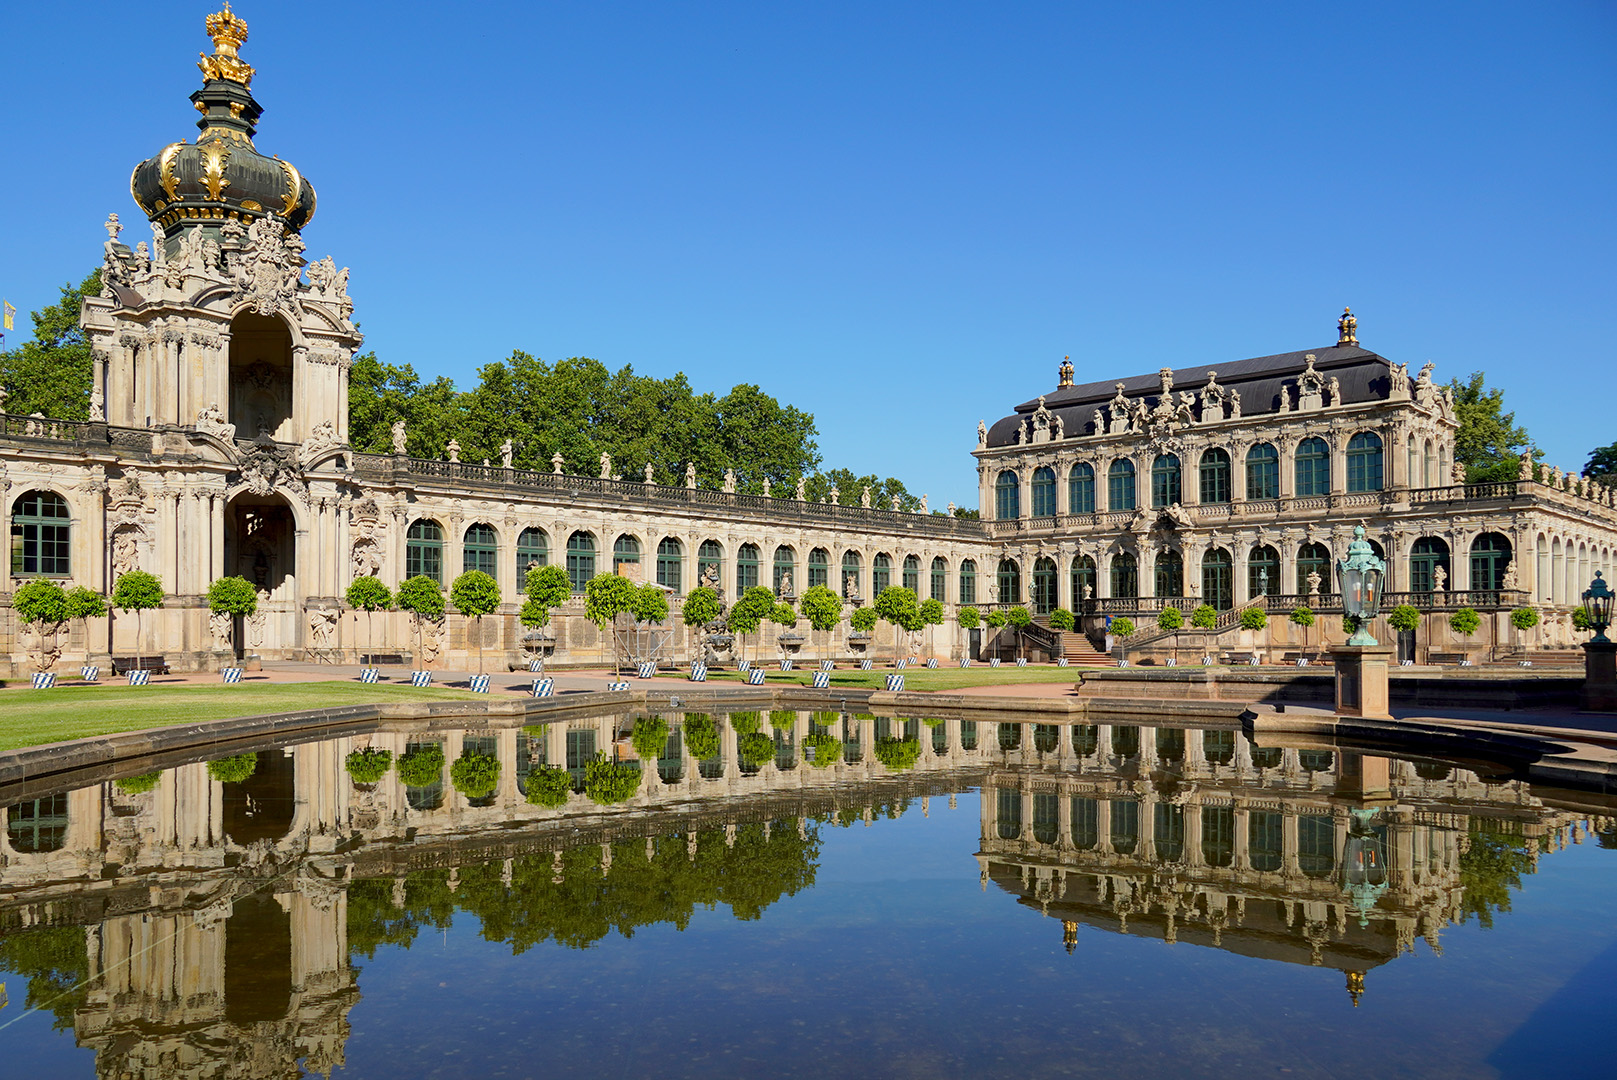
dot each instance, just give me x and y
(1347, 329)
(228, 32)
(1065, 371)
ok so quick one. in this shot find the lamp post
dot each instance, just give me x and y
(1599, 652)
(1597, 600)
(1362, 574)
(1361, 665)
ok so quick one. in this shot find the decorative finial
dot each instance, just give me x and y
(1066, 371)
(228, 33)
(1355, 986)
(1347, 328)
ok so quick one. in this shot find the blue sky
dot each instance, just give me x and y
(897, 216)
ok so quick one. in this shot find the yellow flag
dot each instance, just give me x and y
(11, 316)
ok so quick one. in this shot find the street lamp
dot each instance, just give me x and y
(1597, 599)
(1362, 574)
(1364, 861)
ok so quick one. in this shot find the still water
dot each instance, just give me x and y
(807, 894)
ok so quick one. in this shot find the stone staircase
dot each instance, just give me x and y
(1080, 653)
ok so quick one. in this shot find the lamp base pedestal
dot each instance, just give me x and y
(1599, 677)
(1361, 680)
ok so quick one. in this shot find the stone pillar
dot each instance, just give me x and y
(1362, 680)
(1599, 692)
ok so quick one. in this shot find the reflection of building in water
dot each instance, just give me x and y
(1306, 856)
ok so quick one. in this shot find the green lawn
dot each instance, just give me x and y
(919, 679)
(35, 717)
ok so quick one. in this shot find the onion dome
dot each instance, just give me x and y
(222, 176)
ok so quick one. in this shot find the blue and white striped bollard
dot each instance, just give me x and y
(755, 677)
(420, 678)
(932, 662)
(1021, 661)
(543, 688)
(44, 680)
(1061, 661)
(903, 662)
(647, 669)
(895, 683)
(90, 673)
(965, 662)
(230, 674)
(826, 665)
(139, 677)
(864, 665)
(786, 665)
(993, 661)
(479, 684)
(698, 672)
(537, 665)
(370, 675)
(822, 680)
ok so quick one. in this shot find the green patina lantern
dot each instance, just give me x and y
(1597, 599)
(1362, 574)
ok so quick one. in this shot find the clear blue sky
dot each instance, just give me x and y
(897, 216)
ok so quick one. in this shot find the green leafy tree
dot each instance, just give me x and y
(1122, 628)
(747, 615)
(424, 600)
(650, 604)
(1404, 618)
(649, 737)
(368, 594)
(995, 618)
(1581, 619)
(1018, 618)
(233, 769)
(1062, 619)
(755, 749)
(862, 620)
(1465, 622)
(1205, 617)
(422, 765)
(1492, 864)
(898, 754)
(547, 588)
(1489, 442)
(55, 960)
(1173, 620)
(43, 603)
(368, 765)
(823, 609)
(896, 605)
(1303, 616)
(84, 604)
(822, 749)
(700, 609)
(51, 374)
(475, 774)
(968, 617)
(475, 594)
(233, 596)
(701, 736)
(931, 615)
(137, 591)
(379, 394)
(1602, 464)
(549, 785)
(1524, 618)
(607, 782)
(141, 783)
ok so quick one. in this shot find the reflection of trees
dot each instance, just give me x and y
(1491, 865)
(55, 962)
(578, 897)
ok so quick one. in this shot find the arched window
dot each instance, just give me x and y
(1125, 575)
(625, 550)
(746, 568)
(940, 579)
(1316, 845)
(1425, 557)
(1313, 559)
(819, 567)
(41, 535)
(1007, 497)
(1215, 476)
(1081, 489)
(968, 581)
(1262, 571)
(881, 573)
(1010, 582)
(580, 560)
(1263, 472)
(424, 550)
(670, 564)
(912, 574)
(710, 565)
(1044, 586)
(1120, 485)
(852, 569)
(533, 549)
(1083, 575)
(785, 579)
(1490, 554)
(1364, 462)
(1218, 579)
(1313, 467)
(38, 826)
(1044, 492)
(1165, 481)
(1265, 840)
(479, 548)
(1170, 574)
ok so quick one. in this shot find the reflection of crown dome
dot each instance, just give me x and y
(222, 176)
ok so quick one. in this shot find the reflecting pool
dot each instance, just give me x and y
(807, 894)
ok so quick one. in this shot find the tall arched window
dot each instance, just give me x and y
(1263, 472)
(968, 581)
(1125, 575)
(580, 560)
(1313, 467)
(1081, 489)
(41, 535)
(1218, 579)
(1083, 575)
(479, 549)
(785, 579)
(819, 567)
(625, 550)
(1263, 571)
(1044, 492)
(533, 549)
(1364, 462)
(671, 564)
(746, 568)
(1010, 582)
(1007, 497)
(881, 573)
(1426, 555)
(912, 574)
(1044, 586)
(1120, 485)
(1313, 559)
(1170, 574)
(1215, 476)
(852, 570)
(940, 579)
(710, 565)
(1165, 481)
(424, 550)
(1490, 554)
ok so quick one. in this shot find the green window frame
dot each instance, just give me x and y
(480, 549)
(1490, 555)
(881, 573)
(853, 567)
(819, 567)
(1263, 472)
(533, 549)
(1218, 579)
(1169, 574)
(1316, 845)
(1215, 476)
(1083, 573)
(424, 550)
(41, 536)
(625, 549)
(1364, 457)
(671, 564)
(1425, 556)
(1265, 840)
(1044, 492)
(1010, 582)
(1007, 496)
(940, 579)
(1120, 485)
(38, 826)
(1165, 481)
(746, 568)
(1168, 831)
(1125, 831)
(1218, 835)
(785, 563)
(968, 581)
(580, 560)
(1044, 586)
(1085, 823)
(1081, 489)
(1313, 558)
(912, 574)
(1313, 467)
(1125, 575)
(710, 554)
(1264, 560)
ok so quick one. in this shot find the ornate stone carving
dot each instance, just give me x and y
(690, 477)
(398, 436)
(322, 625)
(729, 481)
(1426, 395)
(982, 434)
(98, 405)
(800, 495)
(212, 421)
(266, 467)
(267, 273)
(506, 450)
(1333, 392)
(221, 625)
(454, 450)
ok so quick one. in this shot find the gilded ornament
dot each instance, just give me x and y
(132, 193)
(250, 204)
(294, 186)
(228, 33)
(165, 169)
(215, 156)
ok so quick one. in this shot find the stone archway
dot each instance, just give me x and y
(260, 377)
(261, 546)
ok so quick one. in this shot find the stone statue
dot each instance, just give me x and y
(398, 436)
(1313, 580)
(257, 621)
(864, 498)
(454, 449)
(1456, 472)
(982, 434)
(322, 623)
(1347, 329)
(1235, 404)
(786, 583)
(98, 405)
(556, 461)
(1398, 380)
(1098, 418)
(1285, 398)
(951, 508)
(690, 475)
(1333, 392)
(651, 474)
(729, 481)
(606, 465)
(836, 496)
(1509, 580)
(125, 552)
(800, 495)
(1120, 411)
(1089, 591)
(506, 450)
(924, 510)
(766, 487)
(850, 587)
(1185, 413)
(895, 503)
(485, 463)
(212, 421)
(1440, 579)
(220, 625)
(4, 393)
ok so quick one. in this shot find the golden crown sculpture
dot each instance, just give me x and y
(228, 32)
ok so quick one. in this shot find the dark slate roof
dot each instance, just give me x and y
(1363, 376)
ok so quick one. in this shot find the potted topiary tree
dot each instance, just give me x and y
(701, 607)
(137, 591)
(1302, 616)
(1524, 618)
(1254, 620)
(475, 594)
(547, 588)
(747, 615)
(969, 619)
(1404, 619)
(84, 604)
(1465, 622)
(823, 609)
(231, 598)
(424, 600)
(367, 593)
(606, 596)
(1122, 628)
(931, 615)
(784, 616)
(896, 605)
(367, 766)
(43, 605)
(1172, 620)
(1018, 618)
(861, 621)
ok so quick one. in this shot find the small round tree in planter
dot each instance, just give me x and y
(366, 767)
(896, 605)
(549, 785)
(823, 609)
(862, 620)
(931, 615)
(1524, 618)
(1255, 620)
(42, 604)
(898, 754)
(1302, 616)
(1465, 622)
(368, 594)
(475, 594)
(422, 765)
(701, 607)
(424, 600)
(1404, 619)
(822, 749)
(1062, 619)
(1205, 617)
(649, 737)
(1172, 620)
(701, 736)
(1122, 628)
(137, 591)
(747, 615)
(475, 774)
(547, 588)
(1018, 618)
(233, 598)
(84, 604)
(607, 782)
(234, 769)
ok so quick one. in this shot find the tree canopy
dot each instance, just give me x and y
(1489, 443)
(51, 373)
(1602, 464)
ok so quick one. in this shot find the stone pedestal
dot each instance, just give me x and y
(1600, 677)
(1361, 680)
